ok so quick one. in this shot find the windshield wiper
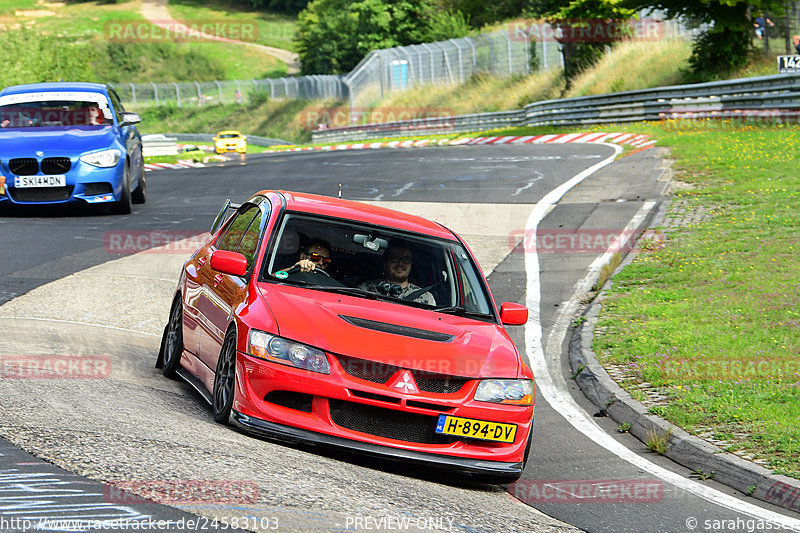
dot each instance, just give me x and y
(353, 291)
(460, 310)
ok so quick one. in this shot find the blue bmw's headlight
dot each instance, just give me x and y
(104, 159)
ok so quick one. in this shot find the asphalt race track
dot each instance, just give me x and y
(73, 289)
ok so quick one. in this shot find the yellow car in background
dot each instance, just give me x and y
(230, 141)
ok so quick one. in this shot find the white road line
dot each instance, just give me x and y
(557, 396)
(627, 234)
(59, 321)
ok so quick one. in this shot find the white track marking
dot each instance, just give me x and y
(556, 395)
(58, 321)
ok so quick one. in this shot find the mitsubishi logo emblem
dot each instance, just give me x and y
(405, 383)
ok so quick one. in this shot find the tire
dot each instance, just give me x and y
(173, 340)
(123, 207)
(225, 379)
(139, 195)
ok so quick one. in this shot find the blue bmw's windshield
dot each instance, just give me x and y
(44, 110)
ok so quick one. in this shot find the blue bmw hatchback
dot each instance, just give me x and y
(69, 143)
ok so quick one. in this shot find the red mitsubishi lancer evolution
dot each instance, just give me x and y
(317, 320)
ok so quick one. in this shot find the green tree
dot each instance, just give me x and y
(579, 21)
(334, 35)
(292, 7)
(478, 13)
(726, 40)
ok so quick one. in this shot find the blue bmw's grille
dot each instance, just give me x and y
(23, 166)
(56, 165)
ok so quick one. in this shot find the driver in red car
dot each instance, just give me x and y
(316, 255)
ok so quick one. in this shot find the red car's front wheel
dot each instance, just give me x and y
(224, 379)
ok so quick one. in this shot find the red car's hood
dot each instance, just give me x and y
(358, 327)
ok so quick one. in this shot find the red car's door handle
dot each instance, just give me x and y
(217, 279)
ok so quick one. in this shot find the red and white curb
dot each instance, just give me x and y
(179, 164)
(630, 139)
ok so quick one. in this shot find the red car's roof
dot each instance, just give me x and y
(361, 212)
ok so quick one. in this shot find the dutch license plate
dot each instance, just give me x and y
(476, 429)
(22, 182)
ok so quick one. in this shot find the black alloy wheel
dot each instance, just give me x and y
(225, 378)
(173, 340)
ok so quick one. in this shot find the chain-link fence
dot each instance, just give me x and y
(444, 62)
(232, 91)
(774, 34)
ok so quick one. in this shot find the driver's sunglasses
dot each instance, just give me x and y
(316, 258)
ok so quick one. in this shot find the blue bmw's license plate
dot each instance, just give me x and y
(22, 182)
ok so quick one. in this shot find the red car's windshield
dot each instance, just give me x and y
(398, 266)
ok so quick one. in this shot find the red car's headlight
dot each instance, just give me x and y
(280, 350)
(505, 391)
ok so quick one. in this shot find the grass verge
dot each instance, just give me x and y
(277, 119)
(711, 319)
(81, 41)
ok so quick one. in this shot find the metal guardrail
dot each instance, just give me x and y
(777, 95)
(207, 138)
(161, 144)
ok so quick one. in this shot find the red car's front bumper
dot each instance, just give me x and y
(355, 408)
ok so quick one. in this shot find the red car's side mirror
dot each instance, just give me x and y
(513, 314)
(228, 262)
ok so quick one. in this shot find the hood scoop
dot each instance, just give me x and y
(397, 329)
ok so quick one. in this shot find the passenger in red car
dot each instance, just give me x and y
(397, 267)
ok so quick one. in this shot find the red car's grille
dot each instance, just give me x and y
(438, 384)
(293, 400)
(387, 423)
(368, 370)
(381, 373)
